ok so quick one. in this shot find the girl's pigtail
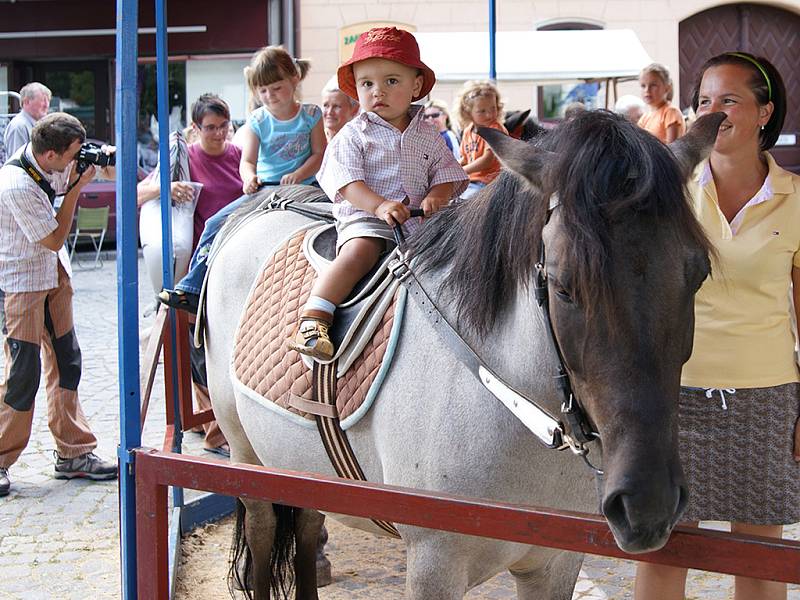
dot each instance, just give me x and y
(303, 66)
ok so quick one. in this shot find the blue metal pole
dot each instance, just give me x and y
(127, 285)
(492, 40)
(162, 85)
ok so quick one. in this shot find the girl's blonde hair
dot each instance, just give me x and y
(471, 91)
(662, 72)
(272, 64)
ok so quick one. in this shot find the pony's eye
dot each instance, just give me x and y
(563, 295)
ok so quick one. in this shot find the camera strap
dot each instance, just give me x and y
(23, 163)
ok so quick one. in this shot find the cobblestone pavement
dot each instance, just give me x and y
(59, 539)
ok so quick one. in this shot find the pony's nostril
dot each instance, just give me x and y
(614, 509)
(682, 498)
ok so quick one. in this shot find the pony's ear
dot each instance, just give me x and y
(697, 144)
(522, 158)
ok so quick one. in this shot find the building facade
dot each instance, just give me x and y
(681, 34)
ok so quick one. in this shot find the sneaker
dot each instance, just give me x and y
(5, 482)
(87, 465)
(312, 339)
(180, 300)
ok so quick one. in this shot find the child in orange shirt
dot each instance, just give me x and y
(479, 105)
(663, 120)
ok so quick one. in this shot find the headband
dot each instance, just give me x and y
(758, 66)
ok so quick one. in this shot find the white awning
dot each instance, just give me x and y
(541, 56)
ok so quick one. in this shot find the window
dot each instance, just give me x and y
(554, 98)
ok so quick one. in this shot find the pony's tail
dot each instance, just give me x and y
(281, 561)
(240, 573)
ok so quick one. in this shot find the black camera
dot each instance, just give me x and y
(91, 154)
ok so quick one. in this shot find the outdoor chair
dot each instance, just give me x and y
(90, 223)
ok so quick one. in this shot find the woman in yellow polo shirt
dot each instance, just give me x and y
(740, 397)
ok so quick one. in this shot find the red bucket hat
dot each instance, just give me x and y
(389, 43)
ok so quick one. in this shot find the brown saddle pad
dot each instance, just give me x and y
(261, 360)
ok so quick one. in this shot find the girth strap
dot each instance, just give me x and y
(334, 438)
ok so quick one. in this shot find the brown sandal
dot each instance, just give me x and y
(311, 336)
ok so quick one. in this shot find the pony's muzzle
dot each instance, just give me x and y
(643, 522)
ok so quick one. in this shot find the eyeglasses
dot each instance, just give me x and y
(212, 129)
(435, 115)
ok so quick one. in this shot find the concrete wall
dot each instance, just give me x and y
(654, 21)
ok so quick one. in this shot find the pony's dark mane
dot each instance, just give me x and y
(605, 170)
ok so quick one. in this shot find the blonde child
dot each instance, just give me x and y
(283, 143)
(663, 120)
(382, 163)
(478, 105)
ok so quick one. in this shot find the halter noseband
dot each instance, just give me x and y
(580, 431)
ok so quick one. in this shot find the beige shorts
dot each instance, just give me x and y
(364, 227)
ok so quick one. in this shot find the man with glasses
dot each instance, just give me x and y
(36, 300)
(214, 163)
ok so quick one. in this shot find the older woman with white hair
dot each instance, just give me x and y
(631, 107)
(337, 108)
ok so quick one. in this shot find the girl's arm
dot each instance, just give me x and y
(313, 162)
(672, 132)
(796, 298)
(247, 164)
(484, 161)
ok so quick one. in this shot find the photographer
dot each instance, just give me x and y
(36, 298)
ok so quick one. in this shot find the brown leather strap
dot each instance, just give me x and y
(334, 438)
(312, 407)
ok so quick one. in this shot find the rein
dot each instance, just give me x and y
(574, 432)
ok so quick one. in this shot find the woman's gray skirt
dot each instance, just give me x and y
(738, 459)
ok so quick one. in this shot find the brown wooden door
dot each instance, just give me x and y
(762, 30)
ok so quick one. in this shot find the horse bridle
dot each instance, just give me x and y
(574, 432)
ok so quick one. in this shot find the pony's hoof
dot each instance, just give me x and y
(324, 576)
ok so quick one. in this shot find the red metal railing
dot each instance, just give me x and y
(762, 558)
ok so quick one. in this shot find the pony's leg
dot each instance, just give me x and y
(307, 527)
(554, 580)
(431, 573)
(259, 533)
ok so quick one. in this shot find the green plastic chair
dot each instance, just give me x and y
(90, 223)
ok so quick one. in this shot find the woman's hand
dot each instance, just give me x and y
(251, 185)
(394, 213)
(290, 178)
(181, 192)
(797, 441)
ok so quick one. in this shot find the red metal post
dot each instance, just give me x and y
(152, 547)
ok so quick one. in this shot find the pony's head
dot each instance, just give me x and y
(624, 258)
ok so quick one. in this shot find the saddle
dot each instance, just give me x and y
(364, 331)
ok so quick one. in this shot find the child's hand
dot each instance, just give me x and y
(394, 213)
(432, 204)
(251, 186)
(289, 179)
